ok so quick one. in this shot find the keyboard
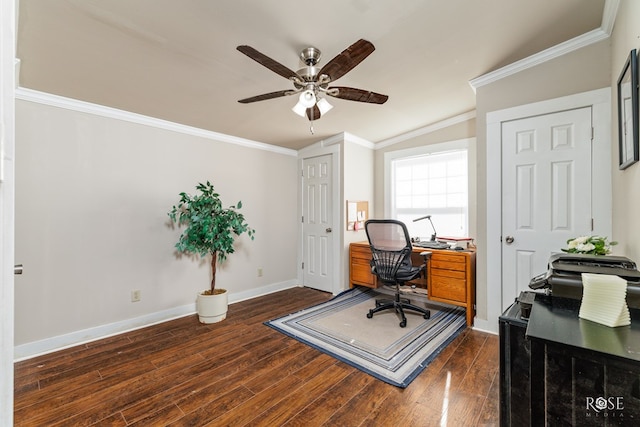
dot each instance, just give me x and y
(431, 245)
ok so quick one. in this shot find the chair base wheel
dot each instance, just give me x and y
(399, 305)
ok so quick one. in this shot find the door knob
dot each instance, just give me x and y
(509, 240)
(17, 269)
(328, 230)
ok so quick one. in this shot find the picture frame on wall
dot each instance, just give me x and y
(628, 112)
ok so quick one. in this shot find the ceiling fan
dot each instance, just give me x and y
(312, 82)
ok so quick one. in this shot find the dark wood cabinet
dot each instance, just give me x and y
(567, 371)
(515, 361)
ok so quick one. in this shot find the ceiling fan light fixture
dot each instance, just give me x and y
(299, 109)
(307, 98)
(324, 106)
(311, 83)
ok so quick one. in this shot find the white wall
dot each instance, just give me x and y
(92, 196)
(579, 71)
(358, 185)
(626, 183)
(459, 130)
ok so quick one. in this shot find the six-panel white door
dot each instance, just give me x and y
(546, 193)
(317, 222)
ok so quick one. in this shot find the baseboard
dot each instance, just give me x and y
(60, 342)
(485, 326)
(263, 290)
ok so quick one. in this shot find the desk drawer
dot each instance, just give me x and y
(448, 262)
(447, 288)
(454, 274)
(360, 252)
(361, 273)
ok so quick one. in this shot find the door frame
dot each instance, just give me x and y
(330, 147)
(600, 102)
(8, 73)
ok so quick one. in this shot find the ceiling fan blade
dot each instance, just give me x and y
(313, 113)
(266, 96)
(347, 59)
(264, 60)
(360, 95)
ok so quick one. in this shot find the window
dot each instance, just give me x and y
(432, 180)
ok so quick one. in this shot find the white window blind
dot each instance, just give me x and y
(433, 184)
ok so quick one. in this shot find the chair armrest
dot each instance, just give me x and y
(425, 255)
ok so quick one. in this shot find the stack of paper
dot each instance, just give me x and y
(604, 300)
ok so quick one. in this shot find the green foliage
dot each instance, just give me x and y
(210, 228)
(592, 245)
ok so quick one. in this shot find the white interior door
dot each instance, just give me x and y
(546, 192)
(317, 232)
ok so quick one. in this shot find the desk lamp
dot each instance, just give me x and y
(433, 236)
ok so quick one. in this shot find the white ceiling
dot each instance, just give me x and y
(177, 60)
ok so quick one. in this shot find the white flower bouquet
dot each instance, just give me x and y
(593, 245)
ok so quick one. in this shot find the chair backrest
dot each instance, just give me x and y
(390, 247)
(387, 234)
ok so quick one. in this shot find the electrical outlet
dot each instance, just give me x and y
(135, 295)
(260, 272)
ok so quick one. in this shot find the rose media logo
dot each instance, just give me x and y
(605, 407)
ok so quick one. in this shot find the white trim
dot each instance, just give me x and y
(318, 146)
(114, 113)
(417, 151)
(358, 141)
(594, 36)
(460, 118)
(17, 64)
(600, 101)
(8, 11)
(60, 342)
(584, 99)
(609, 15)
(336, 139)
(262, 290)
(321, 149)
(557, 51)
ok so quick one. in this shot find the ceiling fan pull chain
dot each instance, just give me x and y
(311, 128)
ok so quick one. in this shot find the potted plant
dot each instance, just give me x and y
(210, 230)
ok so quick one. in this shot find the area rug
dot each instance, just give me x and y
(377, 346)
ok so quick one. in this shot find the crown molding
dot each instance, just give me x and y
(348, 137)
(609, 15)
(575, 43)
(427, 129)
(594, 36)
(319, 145)
(335, 139)
(44, 98)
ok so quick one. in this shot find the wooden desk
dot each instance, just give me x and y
(451, 276)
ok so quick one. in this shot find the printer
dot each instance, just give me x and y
(563, 277)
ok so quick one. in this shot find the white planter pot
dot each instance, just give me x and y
(212, 308)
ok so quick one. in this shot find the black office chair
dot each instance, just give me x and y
(391, 250)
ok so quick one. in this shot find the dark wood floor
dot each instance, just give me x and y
(240, 372)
